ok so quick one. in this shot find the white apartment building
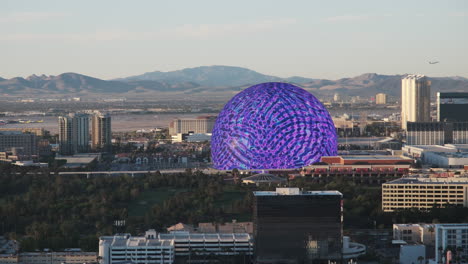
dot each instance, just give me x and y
(174, 247)
(415, 99)
(415, 233)
(452, 237)
(424, 192)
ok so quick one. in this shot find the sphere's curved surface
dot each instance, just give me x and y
(272, 126)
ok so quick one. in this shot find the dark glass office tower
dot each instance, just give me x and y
(452, 107)
(292, 226)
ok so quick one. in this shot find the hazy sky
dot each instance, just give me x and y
(317, 39)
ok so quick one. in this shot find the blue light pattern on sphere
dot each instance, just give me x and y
(272, 126)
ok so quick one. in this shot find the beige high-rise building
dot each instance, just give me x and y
(381, 98)
(66, 146)
(336, 97)
(415, 99)
(73, 133)
(101, 132)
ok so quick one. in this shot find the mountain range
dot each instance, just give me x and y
(207, 81)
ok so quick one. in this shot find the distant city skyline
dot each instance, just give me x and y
(113, 39)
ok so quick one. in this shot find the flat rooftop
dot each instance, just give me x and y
(374, 157)
(452, 154)
(440, 148)
(294, 191)
(430, 180)
(452, 226)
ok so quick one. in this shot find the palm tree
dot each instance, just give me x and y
(420, 259)
(440, 249)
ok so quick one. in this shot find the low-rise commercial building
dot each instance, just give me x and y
(446, 156)
(439, 239)
(79, 160)
(424, 192)
(367, 160)
(174, 247)
(446, 160)
(412, 254)
(417, 151)
(49, 258)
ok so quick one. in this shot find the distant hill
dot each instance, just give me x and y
(209, 76)
(206, 81)
(74, 83)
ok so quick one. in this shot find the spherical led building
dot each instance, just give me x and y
(272, 126)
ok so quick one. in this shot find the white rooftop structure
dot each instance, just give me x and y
(430, 180)
(294, 191)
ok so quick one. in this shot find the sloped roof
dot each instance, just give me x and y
(263, 177)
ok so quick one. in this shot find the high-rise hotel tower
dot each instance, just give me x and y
(415, 99)
(101, 132)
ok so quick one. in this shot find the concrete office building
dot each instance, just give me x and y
(380, 98)
(174, 247)
(452, 107)
(101, 132)
(73, 134)
(16, 141)
(293, 226)
(415, 99)
(424, 193)
(199, 125)
(454, 236)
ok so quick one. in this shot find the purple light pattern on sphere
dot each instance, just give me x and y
(272, 126)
